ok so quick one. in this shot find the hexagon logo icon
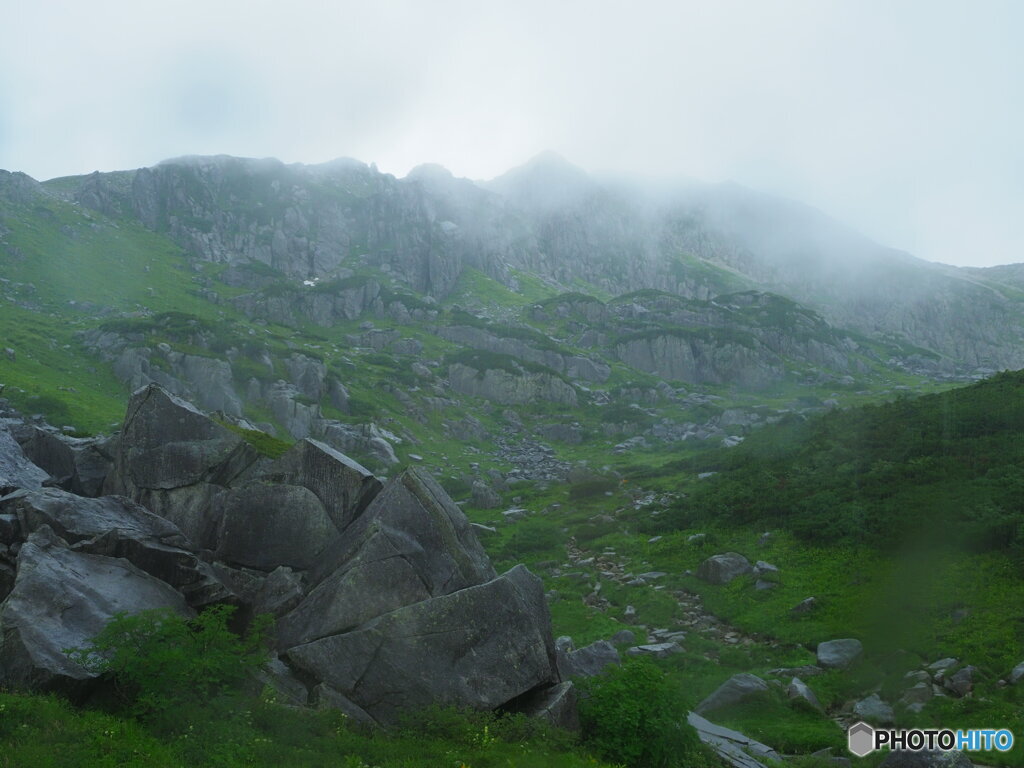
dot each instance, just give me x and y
(860, 739)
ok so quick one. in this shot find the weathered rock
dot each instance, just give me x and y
(412, 543)
(655, 650)
(328, 698)
(839, 654)
(873, 710)
(798, 691)
(721, 569)
(174, 460)
(483, 496)
(738, 688)
(961, 682)
(62, 599)
(279, 592)
(342, 485)
(115, 526)
(916, 697)
(289, 689)
(557, 704)
(266, 526)
(1016, 674)
(479, 647)
(590, 660)
(16, 471)
(732, 746)
(806, 605)
(623, 636)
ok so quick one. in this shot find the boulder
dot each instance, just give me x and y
(265, 526)
(61, 600)
(342, 485)
(16, 471)
(733, 747)
(623, 636)
(873, 710)
(799, 692)
(839, 654)
(1016, 674)
(738, 688)
(114, 526)
(557, 704)
(655, 650)
(411, 544)
(479, 647)
(174, 460)
(961, 682)
(721, 569)
(590, 660)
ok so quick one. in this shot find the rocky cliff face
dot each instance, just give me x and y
(384, 599)
(552, 220)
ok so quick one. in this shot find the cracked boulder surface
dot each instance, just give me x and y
(385, 599)
(479, 647)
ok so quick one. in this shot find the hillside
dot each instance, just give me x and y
(617, 385)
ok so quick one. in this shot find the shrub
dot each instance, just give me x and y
(633, 715)
(163, 665)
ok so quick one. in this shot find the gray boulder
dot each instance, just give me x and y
(961, 682)
(115, 526)
(839, 654)
(479, 647)
(557, 704)
(411, 544)
(738, 688)
(655, 650)
(1016, 674)
(62, 599)
(733, 747)
(16, 471)
(342, 485)
(265, 526)
(721, 569)
(174, 460)
(589, 661)
(873, 710)
(799, 692)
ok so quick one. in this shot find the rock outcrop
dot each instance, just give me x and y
(385, 599)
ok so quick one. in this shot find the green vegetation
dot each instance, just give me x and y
(634, 715)
(944, 467)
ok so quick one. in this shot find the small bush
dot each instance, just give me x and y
(163, 665)
(633, 715)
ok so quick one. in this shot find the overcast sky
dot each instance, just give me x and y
(902, 119)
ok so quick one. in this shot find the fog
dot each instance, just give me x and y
(901, 120)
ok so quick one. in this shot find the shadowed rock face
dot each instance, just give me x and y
(385, 599)
(478, 647)
(61, 599)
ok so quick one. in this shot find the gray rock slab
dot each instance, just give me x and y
(738, 688)
(733, 747)
(721, 569)
(62, 599)
(839, 654)
(479, 647)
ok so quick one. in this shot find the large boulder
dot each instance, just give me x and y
(737, 689)
(175, 460)
(264, 526)
(342, 485)
(411, 543)
(479, 647)
(115, 526)
(16, 471)
(839, 654)
(79, 465)
(61, 600)
(588, 661)
(721, 569)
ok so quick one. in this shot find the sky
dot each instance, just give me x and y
(901, 118)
